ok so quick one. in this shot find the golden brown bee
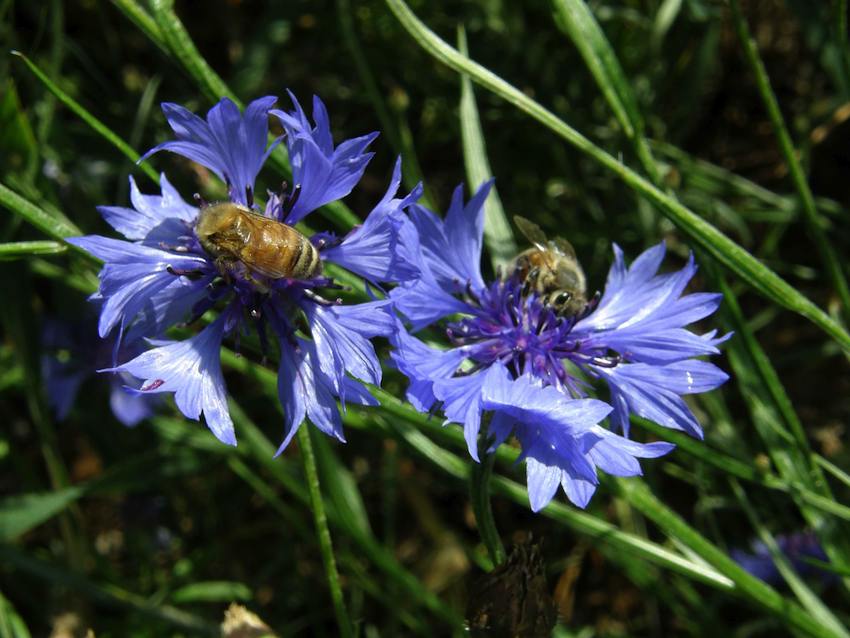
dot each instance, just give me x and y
(550, 269)
(231, 232)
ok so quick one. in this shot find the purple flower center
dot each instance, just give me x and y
(525, 335)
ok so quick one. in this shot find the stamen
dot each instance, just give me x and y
(249, 196)
(200, 201)
(291, 200)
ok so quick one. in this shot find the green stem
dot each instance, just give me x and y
(324, 533)
(783, 137)
(479, 493)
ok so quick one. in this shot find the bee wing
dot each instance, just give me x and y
(532, 231)
(564, 247)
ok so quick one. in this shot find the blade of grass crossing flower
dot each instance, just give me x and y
(575, 18)
(640, 497)
(822, 244)
(24, 249)
(498, 235)
(87, 117)
(804, 594)
(726, 251)
(111, 595)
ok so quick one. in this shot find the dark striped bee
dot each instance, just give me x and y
(551, 270)
(234, 233)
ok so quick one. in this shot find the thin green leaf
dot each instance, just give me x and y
(11, 624)
(575, 18)
(727, 252)
(498, 235)
(24, 249)
(87, 117)
(54, 226)
(639, 496)
(341, 488)
(22, 512)
(212, 591)
(823, 246)
(804, 594)
(323, 532)
(111, 595)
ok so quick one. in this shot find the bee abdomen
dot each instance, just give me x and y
(305, 263)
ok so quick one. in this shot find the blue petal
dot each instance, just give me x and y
(651, 394)
(452, 248)
(135, 279)
(422, 365)
(341, 336)
(424, 301)
(293, 390)
(323, 173)
(128, 407)
(618, 455)
(230, 144)
(154, 218)
(461, 397)
(527, 401)
(191, 369)
(385, 247)
(542, 481)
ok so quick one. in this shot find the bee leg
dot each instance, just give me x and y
(249, 196)
(179, 272)
(312, 296)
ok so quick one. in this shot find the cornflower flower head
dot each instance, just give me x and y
(514, 357)
(71, 352)
(166, 272)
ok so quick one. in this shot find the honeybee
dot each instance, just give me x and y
(234, 233)
(550, 269)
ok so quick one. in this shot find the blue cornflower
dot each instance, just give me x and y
(796, 547)
(514, 356)
(162, 275)
(71, 352)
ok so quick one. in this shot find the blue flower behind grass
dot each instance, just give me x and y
(161, 276)
(797, 548)
(513, 357)
(71, 352)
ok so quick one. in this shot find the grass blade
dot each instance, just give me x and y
(498, 235)
(57, 227)
(23, 249)
(87, 117)
(726, 251)
(810, 214)
(802, 591)
(640, 497)
(110, 595)
(575, 18)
